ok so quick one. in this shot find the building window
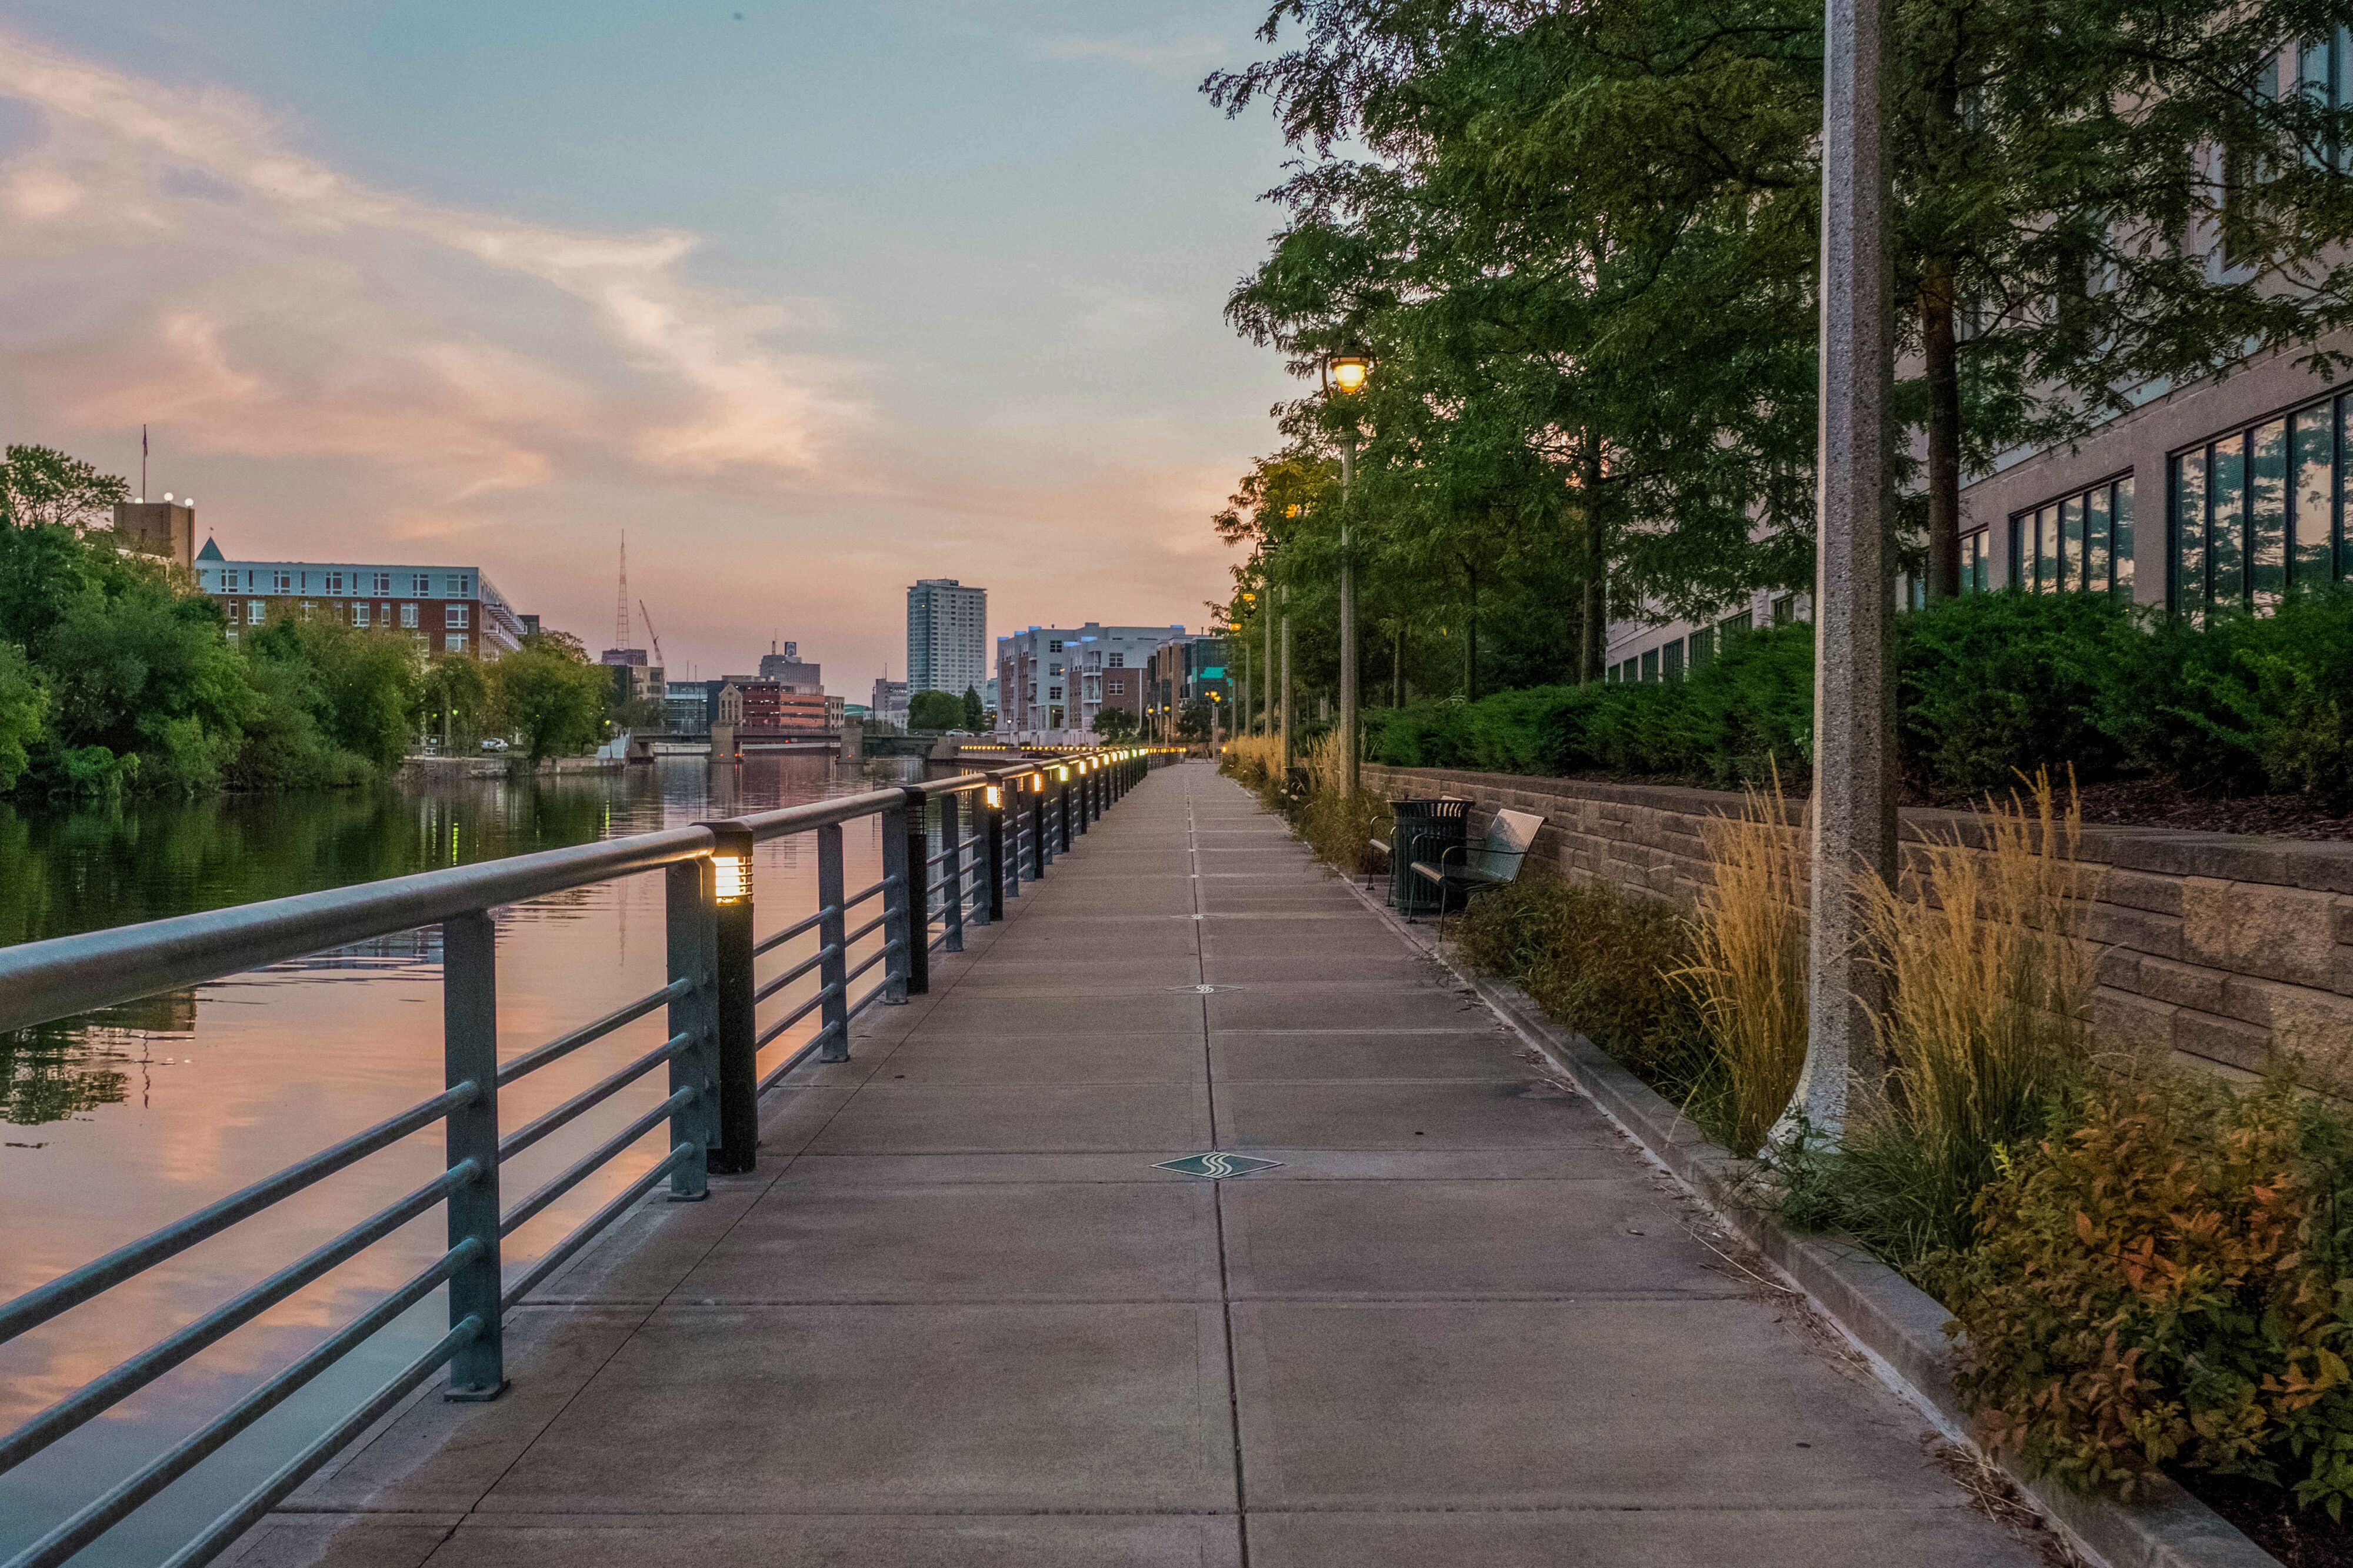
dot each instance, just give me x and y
(1734, 625)
(360, 615)
(1977, 560)
(1703, 648)
(1053, 694)
(282, 581)
(382, 582)
(454, 615)
(1118, 661)
(1118, 688)
(307, 608)
(253, 612)
(2078, 544)
(454, 587)
(334, 582)
(1670, 661)
(1651, 666)
(2258, 511)
(408, 616)
(1054, 646)
(1785, 609)
(421, 586)
(455, 642)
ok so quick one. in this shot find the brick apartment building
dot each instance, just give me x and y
(446, 609)
(1053, 678)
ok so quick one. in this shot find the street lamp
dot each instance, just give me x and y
(1345, 373)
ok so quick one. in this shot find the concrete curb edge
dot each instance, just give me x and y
(1898, 1327)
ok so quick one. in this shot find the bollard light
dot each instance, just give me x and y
(1062, 772)
(994, 796)
(733, 874)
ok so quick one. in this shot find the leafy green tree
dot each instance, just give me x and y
(975, 714)
(1115, 724)
(40, 486)
(1193, 720)
(147, 672)
(361, 686)
(934, 710)
(23, 714)
(551, 696)
(454, 699)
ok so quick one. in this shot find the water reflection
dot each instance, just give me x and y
(123, 1120)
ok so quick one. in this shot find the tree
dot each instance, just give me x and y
(1193, 721)
(976, 713)
(935, 711)
(41, 485)
(1115, 724)
(23, 714)
(551, 696)
(454, 699)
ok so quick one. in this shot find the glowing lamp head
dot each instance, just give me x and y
(993, 794)
(1346, 373)
(732, 877)
(1062, 772)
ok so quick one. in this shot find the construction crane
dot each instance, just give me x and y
(652, 636)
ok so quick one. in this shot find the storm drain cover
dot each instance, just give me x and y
(1216, 1166)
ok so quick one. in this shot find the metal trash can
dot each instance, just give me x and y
(1424, 829)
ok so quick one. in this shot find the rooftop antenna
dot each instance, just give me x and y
(143, 462)
(621, 605)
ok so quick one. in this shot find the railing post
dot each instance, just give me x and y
(951, 872)
(907, 913)
(691, 914)
(470, 1048)
(992, 852)
(1081, 799)
(833, 1013)
(1062, 816)
(735, 1058)
(1038, 830)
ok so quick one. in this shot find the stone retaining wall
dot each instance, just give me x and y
(2214, 944)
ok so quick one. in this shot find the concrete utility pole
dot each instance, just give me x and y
(1854, 798)
(1266, 703)
(1349, 774)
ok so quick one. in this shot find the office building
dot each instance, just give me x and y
(947, 636)
(889, 704)
(788, 668)
(1055, 677)
(447, 609)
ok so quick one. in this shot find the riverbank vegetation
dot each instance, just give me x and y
(118, 677)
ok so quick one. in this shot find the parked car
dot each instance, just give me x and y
(495, 744)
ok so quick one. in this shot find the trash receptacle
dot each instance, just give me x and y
(1424, 830)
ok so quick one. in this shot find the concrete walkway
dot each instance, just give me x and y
(959, 1317)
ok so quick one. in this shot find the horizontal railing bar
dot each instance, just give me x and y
(103, 1514)
(768, 944)
(531, 1061)
(855, 900)
(536, 1275)
(44, 981)
(795, 972)
(885, 951)
(595, 1094)
(868, 929)
(40, 1304)
(524, 1212)
(819, 813)
(869, 999)
(799, 1056)
(222, 1533)
(794, 1016)
(102, 1393)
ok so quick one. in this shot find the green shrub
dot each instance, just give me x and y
(2165, 1282)
(2253, 702)
(1993, 685)
(1601, 961)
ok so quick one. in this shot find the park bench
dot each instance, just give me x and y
(1495, 861)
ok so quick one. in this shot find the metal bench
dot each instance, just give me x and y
(1493, 862)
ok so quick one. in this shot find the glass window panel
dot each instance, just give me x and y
(2022, 549)
(2070, 543)
(2120, 537)
(1703, 647)
(2313, 454)
(1651, 665)
(2344, 431)
(2267, 515)
(2226, 534)
(2096, 540)
(2046, 551)
(1670, 661)
(2189, 533)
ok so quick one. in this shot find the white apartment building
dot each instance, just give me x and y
(1058, 678)
(947, 636)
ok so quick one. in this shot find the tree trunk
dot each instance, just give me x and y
(1593, 588)
(1940, 350)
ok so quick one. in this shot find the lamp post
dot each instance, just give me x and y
(1345, 373)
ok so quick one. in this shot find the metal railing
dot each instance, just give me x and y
(711, 1000)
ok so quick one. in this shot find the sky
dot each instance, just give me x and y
(811, 299)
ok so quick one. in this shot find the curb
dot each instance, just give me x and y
(1899, 1328)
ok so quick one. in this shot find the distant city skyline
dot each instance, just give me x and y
(813, 304)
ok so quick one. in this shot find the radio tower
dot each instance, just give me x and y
(621, 606)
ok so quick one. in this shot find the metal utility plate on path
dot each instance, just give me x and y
(1216, 1166)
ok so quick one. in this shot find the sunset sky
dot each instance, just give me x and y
(812, 298)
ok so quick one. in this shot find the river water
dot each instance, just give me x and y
(120, 1122)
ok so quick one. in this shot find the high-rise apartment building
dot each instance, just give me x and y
(947, 636)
